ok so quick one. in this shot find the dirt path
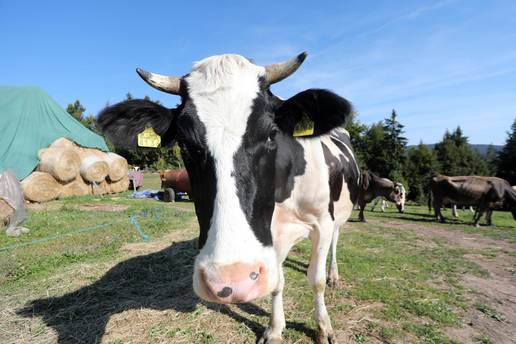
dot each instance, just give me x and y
(492, 299)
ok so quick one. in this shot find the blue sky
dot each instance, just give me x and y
(438, 63)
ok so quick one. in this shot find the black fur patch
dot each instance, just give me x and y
(340, 169)
(350, 169)
(326, 109)
(254, 169)
(122, 122)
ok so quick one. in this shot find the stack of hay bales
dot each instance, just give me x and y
(66, 169)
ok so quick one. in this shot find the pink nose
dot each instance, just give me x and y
(235, 283)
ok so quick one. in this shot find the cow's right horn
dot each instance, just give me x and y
(169, 84)
(279, 71)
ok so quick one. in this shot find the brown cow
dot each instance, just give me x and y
(484, 193)
(373, 186)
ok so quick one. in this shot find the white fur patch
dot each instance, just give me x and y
(223, 89)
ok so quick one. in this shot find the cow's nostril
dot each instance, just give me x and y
(225, 292)
(253, 275)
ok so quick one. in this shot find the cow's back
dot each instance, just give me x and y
(330, 183)
(465, 190)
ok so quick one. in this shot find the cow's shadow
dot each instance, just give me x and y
(159, 281)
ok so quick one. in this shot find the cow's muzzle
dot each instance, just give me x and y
(235, 283)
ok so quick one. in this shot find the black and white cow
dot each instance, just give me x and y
(257, 189)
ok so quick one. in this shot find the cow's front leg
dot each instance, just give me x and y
(321, 239)
(272, 334)
(333, 274)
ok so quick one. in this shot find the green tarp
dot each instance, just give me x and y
(31, 120)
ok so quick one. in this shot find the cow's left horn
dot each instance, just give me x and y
(279, 71)
(169, 84)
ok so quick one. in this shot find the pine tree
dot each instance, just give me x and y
(421, 165)
(394, 147)
(457, 157)
(507, 158)
(356, 132)
(76, 109)
(491, 156)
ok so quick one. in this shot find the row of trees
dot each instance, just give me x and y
(382, 148)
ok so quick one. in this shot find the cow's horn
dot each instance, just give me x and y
(279, 71)
(169, 84)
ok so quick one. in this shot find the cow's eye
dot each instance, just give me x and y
(272, 135)
(271, 143)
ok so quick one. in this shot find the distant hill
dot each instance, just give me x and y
(480, 148)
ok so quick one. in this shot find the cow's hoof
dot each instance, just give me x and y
(269, 338)
(333, 282)
(326, 338)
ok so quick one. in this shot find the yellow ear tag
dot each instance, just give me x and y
(305, 127)
(149, 138)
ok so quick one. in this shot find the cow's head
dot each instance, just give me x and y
(236, 141)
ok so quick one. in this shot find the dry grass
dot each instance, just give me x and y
(143, 294)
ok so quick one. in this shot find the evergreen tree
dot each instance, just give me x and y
(447, 155)
(491, 156)
(507, 158)
(421, 165)
(457, 157)
(356, 132)
(76, 109)
(374, 152)
(394, 146)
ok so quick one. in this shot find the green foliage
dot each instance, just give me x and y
(507, 158)
(77, 110)
(421, 165)
(457, 158)
(382, 148)
(356, 132)
(491, 156)
(156, 159)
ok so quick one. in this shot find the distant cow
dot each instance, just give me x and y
(373, 186)
(384, 204)
(257, 189)
(484, 193)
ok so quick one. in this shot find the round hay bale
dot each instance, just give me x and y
(120, 186)
(93, 167)
(117, 166)
(76, 187)
(41, 187)
(61, 162)
(62, 143)
(5, 213)
(101, 188)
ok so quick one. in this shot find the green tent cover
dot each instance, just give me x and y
(30, 120)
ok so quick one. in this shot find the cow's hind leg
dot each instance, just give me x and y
(333, 274)
(272, 334)
(321, 238)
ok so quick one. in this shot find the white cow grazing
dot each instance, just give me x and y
(257, 189)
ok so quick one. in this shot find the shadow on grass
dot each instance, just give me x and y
(296, 265)
(160, 281)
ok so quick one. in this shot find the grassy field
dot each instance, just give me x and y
(85, 274)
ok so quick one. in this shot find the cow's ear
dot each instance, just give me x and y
(324, 108)
(122, 122)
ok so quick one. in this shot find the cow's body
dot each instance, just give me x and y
(374, 186)
(484, 193)
(257, 190)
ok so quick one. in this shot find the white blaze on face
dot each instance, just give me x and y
(223, 89)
